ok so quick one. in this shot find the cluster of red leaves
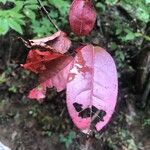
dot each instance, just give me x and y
(51, 66)
(90, 77)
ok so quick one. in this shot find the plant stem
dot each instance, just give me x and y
(50, 19)
(88, 144)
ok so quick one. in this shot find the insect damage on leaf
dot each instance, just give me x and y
(92, 94)
(96, 114)
(58, 42)
(78, 107)
(85, 113)
(82, 17)
(82, 67)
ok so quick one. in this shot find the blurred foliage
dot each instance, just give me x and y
(139, 9)
(146, 123)
(68, 139)
(13, 89)
(123, 25)
(122, 139)
(26, 16)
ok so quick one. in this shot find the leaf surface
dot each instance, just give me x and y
(55, 75)
(15, 25)
(92, 88)
(82, 17)
(38, 61)
(58, 42)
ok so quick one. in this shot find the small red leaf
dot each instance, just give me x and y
(58, 42)
(92, 88)
(82, 17)
(37, 93)
(37, 61)
(55, 75)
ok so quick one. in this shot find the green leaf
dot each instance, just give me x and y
(18, 6)
(130, 36)
(30, 2)
(101, 6)
(3, 78)
(16, 15)
(142, 14)
(29, 13)
(113, 46)
(4, 27)
(33, 7)
(138, 9)
(111, 2)
(15, 25)
(13, 89)
(118, 31)
(20, 21)
(67, 140)
(61, 5)
(54, 14)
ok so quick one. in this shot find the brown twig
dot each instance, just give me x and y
(146, 92)
(61, 118)
(46, 12)
(88, 143)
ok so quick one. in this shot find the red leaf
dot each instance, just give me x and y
(56, 76)
(92, 88)
(37, 61)
(82, 17)
(37, 93)
(58, 42)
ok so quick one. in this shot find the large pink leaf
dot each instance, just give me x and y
(92, 88)
(82, 17)
(55, 75)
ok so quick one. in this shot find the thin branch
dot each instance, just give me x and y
(146, 92)
(46, 12)
(88, 143)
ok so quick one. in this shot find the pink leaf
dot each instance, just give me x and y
(37, 93)
(82, 17)
(92, 88)
(58, 42)
(56, 76)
